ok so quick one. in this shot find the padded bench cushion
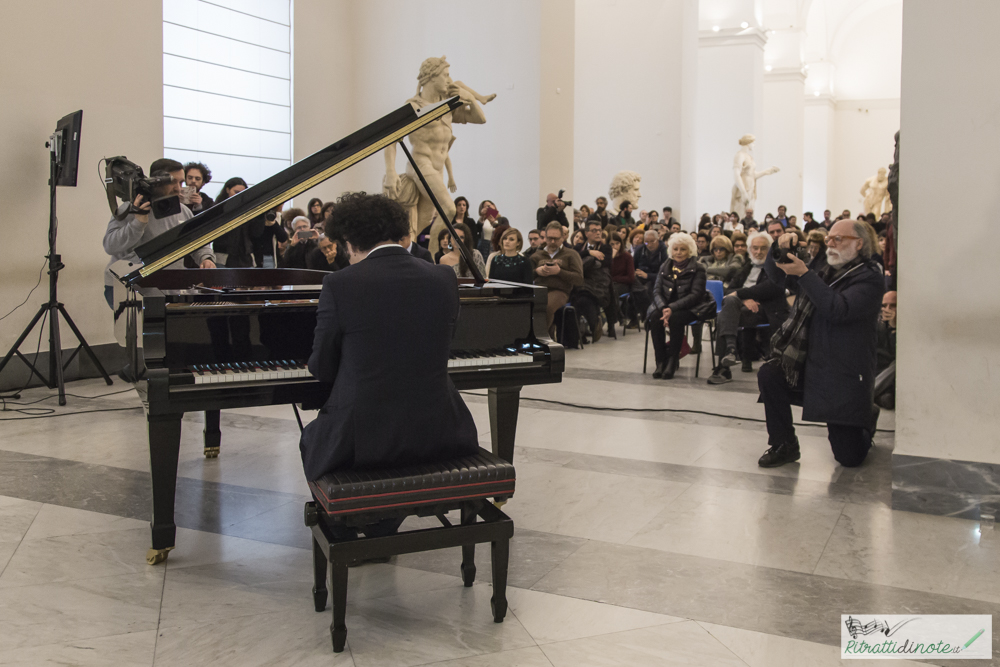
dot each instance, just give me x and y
(482, 475)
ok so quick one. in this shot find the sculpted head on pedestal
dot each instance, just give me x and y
(625, 186)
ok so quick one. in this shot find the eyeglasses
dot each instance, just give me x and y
(837, 240)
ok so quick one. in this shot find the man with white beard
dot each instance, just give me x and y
(754, 300)
(824, 356)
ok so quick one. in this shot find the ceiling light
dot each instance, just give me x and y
(816, 93)
(744, 25)
(716, 28)
(768, 68)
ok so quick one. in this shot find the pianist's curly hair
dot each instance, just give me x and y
(365, 220)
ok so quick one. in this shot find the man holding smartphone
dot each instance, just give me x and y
(558, 268)
(302, 241)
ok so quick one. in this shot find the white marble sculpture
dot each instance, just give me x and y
(876, 193)
(745, 174)
(624, 187)
(429, 146)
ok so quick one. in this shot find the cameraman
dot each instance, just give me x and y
(824, 355)
(122, 238)
(304, 240)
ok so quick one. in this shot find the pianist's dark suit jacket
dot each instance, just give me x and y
(421, 253)
(383, 332)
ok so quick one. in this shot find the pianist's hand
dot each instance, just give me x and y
(208, 264)
(142, 205)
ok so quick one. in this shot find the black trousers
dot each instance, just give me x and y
(850, 444)
(587, 306)
(658, 333)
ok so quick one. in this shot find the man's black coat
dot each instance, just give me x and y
(383, 333)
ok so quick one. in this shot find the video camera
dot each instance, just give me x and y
(125, 180)
(560, 198)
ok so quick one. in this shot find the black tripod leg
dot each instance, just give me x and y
(504, 403)
(212, 433)
(55, 354)
(24, 334)
(83, 343)
(164, 450)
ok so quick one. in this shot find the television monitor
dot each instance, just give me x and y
(67, 148)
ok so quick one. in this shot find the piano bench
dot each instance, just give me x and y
(349, 500)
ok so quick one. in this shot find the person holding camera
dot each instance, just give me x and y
(823, 357)
(302, 241)
(551, 212)
(147, 222)
(265, 232)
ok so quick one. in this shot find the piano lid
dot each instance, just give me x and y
(239, 209)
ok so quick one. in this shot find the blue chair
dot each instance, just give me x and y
(717, 291)
(714, 288)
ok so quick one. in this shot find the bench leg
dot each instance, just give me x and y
(498, 603)
(468, 550)
(338, 582)
(320, 567)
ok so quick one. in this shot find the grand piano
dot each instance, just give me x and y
(205, 340)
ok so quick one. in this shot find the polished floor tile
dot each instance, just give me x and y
(684, 643)
(16, 516)
(56, 521)
(196, 547)
(531, 656)
(553, 618)
(134, 649)
(915, 551)
(586, 504)
(786, 532)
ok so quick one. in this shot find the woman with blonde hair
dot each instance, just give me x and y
(722, 265)
(680, 287)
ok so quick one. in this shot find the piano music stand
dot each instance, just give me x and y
(52, 308)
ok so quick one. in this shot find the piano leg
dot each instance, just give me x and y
(164, 448)
(503, 402)
(213, 434)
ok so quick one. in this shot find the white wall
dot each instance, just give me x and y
(781, 142)
(628, 98)
(864, 132)
(557, 95)
(817, 150)
(60, 57)
(867, 49)
(948, 383)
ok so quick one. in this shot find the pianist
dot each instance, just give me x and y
(122, 238)
(382, 338)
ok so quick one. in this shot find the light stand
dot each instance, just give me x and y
(52, 308)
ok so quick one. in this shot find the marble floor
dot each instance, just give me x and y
(642, 537)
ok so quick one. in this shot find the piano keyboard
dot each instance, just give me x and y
(250, 371)
(499, 357)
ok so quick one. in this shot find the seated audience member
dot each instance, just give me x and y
(499, 230)
(416, 250)
(753, 300)
(579, 238)
(324, 256)
(652, 218)
(444, 245)
(675, 227)
(315, 213)
(373, 368)
(534, 242)
(793, 222)
(287, 217)
(122, 237)
(197, 176)
(885, 392)
(827, 222)
(622, 269)
(679, 288)
(809, 223)
(624, 217)
(327, 212)
(782, 216)
(595, 292)
(303, 241)
(264, 235)
(880, 255)
(509, 264)
(601, 212)
(636, 241)
(234, 249)
(767, 219)
(454, 257)
(722, 264)
(703, 240)
(559, 269)
(815, 245)
(775, 229)
(748, 222)
(824, 355)
(739, 241)
(648, 260)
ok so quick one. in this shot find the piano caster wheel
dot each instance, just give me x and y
(211, 452)
(155, 556)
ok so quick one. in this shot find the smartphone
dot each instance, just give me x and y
(304, 234)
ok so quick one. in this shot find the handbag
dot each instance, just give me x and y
(705, 310)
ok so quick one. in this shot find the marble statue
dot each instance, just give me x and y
(430, 146)
(624, 187)
(746, 175)
(876, 193)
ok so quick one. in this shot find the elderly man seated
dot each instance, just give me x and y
(648, 259)
(754, 300)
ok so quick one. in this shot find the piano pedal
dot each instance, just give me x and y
(211, 452)
(155, 556)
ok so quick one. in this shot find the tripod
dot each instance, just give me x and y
(52, 309)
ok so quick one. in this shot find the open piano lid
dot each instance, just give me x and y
(239, 209)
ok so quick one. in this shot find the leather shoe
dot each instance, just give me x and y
(779, 455)
(721, 375)
(658, 373)
(671, 368)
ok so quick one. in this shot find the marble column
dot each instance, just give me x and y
(947, 453)
(556, 96)
(730, 103)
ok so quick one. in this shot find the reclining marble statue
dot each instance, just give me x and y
(746, 175)
(430, 146)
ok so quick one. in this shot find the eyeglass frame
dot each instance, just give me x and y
(840, 239)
